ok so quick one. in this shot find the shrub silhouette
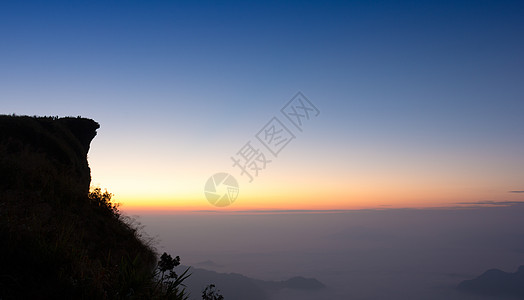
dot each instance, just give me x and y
(171, 285)
(211, 293)
(103, 201)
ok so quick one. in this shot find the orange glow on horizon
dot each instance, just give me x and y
(303, 202)
(155, 185)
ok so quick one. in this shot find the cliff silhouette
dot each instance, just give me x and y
(45, 156)
(58, 239)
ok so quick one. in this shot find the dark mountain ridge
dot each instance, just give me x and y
(497, 283)
(239, 287)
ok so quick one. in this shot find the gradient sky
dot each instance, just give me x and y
(421, 102)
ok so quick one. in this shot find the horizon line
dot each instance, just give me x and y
(458, 205)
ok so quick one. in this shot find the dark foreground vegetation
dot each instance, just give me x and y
(58, 238)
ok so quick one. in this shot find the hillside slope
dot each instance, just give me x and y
(57, 240)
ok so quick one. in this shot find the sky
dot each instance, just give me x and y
(419, 103)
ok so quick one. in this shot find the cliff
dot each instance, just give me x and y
(45, 156)
(58, 240)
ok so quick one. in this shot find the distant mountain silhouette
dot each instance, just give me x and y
(295, 283)
(497, 283)
(207, 264)
(239, 287)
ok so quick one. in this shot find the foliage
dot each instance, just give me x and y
(169, 283)
(211, 293)
(103, 201)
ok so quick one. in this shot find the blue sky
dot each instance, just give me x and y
(399, 83)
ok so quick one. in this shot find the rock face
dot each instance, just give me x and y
(497, 283)
(45, 156)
